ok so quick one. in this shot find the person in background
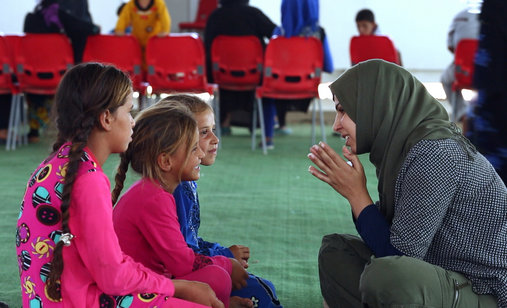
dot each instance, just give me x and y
(366, 25)
(146, 18)
(300, 18)
(465, 25)
(438, 235)
(487, 128)
(365, 22)
(235, 17)
(70, 17)
(68, 253)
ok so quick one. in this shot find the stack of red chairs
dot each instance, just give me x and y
(292, 70)
(237, 65)
(124, 52)
(176, 64)
(7, 86)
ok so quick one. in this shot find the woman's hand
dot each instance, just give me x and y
(196, 292)
(239, 275)
(241, 253)
(348, 181)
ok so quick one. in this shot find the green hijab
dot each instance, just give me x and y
(392, 111)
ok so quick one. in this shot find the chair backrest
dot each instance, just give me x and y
(41, 62)
(464, 60)
(237, 61)
(176, 63)
(203, 11)
(124, 52)
(367, 47)
(292, 67)
(6, 69)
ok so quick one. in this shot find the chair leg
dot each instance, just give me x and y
(454, 105)
(261, 121)
(14, 122)
(254, 124)
(322, 126)
(314, 115)
(25, 122)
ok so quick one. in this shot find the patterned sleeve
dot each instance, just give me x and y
(425, 189)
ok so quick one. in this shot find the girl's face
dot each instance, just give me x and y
(208, 141)
(190, 170)
(344, 125)
(122, 128)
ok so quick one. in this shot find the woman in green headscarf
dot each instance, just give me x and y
(438, 235)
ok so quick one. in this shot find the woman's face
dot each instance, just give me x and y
(344, 125)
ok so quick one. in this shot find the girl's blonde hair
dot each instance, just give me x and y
(161, 128)
(193, 102)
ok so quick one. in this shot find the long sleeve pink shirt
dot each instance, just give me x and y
(94, 263)
(146, 222)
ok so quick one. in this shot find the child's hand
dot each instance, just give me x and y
(239, 275)
(196, 292)
(241, 253)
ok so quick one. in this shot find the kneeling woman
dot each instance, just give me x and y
(438, 235)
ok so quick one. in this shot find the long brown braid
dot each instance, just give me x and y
(85, 92)
(159, 129)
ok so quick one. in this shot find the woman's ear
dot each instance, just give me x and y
(164, 161)
(105, 120)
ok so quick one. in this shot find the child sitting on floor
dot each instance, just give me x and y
(165, 150)
(260, 290)
(67, 249)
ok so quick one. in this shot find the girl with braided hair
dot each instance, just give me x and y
(164, 151)
(67, 249)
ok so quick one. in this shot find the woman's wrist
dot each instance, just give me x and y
(359, 203)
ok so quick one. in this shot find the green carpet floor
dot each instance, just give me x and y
(267, 202)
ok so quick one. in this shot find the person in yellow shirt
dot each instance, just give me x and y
(146, 17)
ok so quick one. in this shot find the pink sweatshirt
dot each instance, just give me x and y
(146, 222)
(94, 263)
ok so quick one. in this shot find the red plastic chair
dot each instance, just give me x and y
(368, 47)
(9, 84)
(42, 61)
(464, 57)
(237, 64)
(292, 70)
(124, 52)
(176, 64)
(464, 62)
(203, 11)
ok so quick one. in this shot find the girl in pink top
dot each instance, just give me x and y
(68, 252)
(165, 150)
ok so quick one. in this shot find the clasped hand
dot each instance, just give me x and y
(348, 181)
